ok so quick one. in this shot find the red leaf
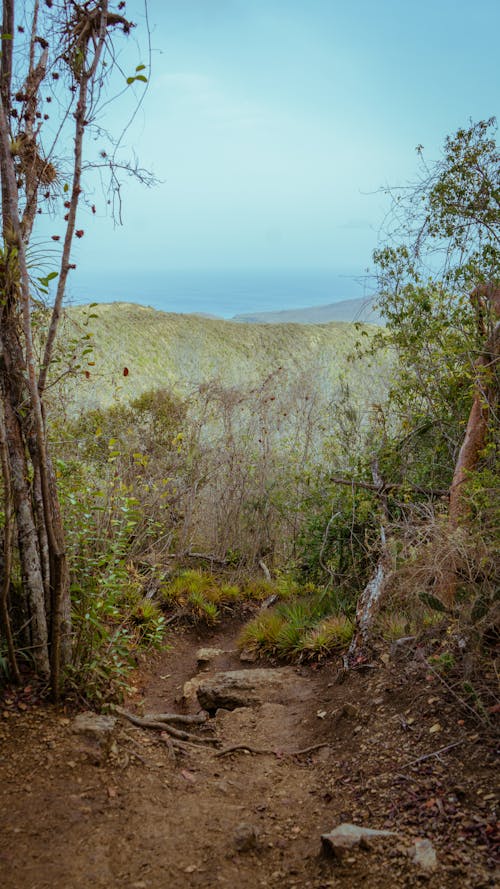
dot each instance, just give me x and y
(79, 233)
(56, 237)
(125, 371)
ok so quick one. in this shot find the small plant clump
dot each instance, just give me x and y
(394, 625)
(201, 596)
(297, 631)
(205, 597)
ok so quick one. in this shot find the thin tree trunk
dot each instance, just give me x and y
(8, 542)
(369, 601)
(27, 541)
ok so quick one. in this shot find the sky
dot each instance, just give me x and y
(272, 125)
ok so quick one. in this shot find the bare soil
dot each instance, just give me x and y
(130, 816)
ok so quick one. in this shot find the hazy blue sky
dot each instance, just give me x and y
(272, 123)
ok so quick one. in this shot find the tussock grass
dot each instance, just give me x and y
(297, 630)
(332, 635)
(205, 597)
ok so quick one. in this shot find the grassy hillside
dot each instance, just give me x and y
(181, 351)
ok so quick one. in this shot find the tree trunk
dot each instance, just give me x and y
(474, 442)
(27, 541)
(8, 543)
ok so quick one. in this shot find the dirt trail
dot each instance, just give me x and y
(72, 819)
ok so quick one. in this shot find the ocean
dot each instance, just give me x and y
(221, 293)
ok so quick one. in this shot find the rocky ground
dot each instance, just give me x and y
(114, 805)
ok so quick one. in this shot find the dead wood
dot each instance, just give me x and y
(265, 570)
(437, 753)
(369, 600)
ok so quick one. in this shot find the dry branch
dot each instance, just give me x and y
(415, 762)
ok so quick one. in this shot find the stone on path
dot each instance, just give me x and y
(190, 689)
(94, 726)
(245, 837)
(424, 855)
(245, 688)
(205, 656)
(349, 836)
(248, 656)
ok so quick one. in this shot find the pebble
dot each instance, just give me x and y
(245, 837)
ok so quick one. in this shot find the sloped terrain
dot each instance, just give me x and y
(159, 349)
(125, 813)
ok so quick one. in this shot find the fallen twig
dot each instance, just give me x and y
(264, 751)
(415, 762)
(459, 698)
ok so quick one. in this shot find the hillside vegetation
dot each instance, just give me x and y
(162, 349)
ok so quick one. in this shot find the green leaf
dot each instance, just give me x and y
(140, 68)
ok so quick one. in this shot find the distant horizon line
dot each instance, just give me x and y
(234, 269)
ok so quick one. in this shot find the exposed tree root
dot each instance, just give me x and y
(180, 719)
(161, 725)
(235, 748)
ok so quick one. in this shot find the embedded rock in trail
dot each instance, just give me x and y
(190, 690)
(96, 732)
(348, 836)
(205, 656)
(94, 726)
(246, 688)
(247, 656)
(246, 837)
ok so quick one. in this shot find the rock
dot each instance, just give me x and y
(350, 711)
(205, 656)
(424, 854)
(244, 688)
(245, 837)
(190, 689)
(349, 836)
(94, 726)
(247, 656)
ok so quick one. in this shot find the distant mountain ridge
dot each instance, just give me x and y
(349, 310)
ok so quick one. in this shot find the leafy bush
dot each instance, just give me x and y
(112, 620)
